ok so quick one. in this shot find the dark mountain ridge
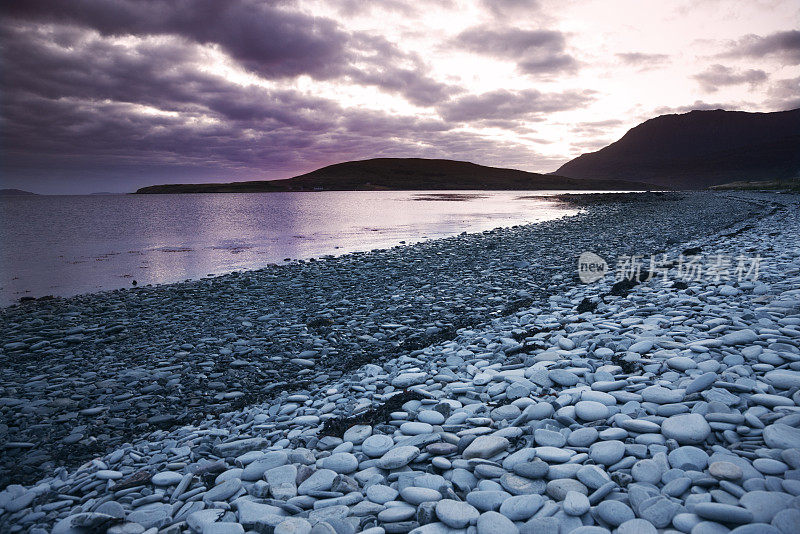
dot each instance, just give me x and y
(699, 149)
(15, 193)
(403, 174)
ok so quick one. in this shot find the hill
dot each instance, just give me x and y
(699, 149)
(14, 193)
(403, 174)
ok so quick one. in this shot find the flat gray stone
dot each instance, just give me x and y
(591, 410)
(255, 470)
(381, 494)
(724, 513)
(614, 513)
(417, 496)
(485, 447)
(521, 507)
(398, 457)
(377, 445)
(659, 512)
(341, 462)
(662, 395)
(636, 526)
(293, 525)
(517, 485)
(197, 520)
(166, 478)
(84, 522)
(562, 377)
(686, 429)
(607, 452)
(549, 438)
(456, 514)
(495, 523)
(223, 491)
(786, 521)
(254, 514)
(740, 337)
(554, 454)
(151, 515)
(488, 500)
(725, 470)
(783, 378)
(357, 434)
(575, 503)
(558, 489)
(701, 383)
(431, 417)
(583, 437)
(782, 436)
(593, 476)
(647, 470)
(688, 457)
(320, 480)
(764, 505)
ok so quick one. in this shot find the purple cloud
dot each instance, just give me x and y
(643, 61)
(784, 45)
(717, 76)
(264, 37)
(145, 112)
(534, 51)
(512, 105)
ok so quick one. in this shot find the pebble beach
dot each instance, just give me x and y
(467, 384)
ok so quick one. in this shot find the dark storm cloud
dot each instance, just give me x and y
(406, 8)
(126, 89)
(81, 105)
(595, 128)
(534, 51)
(80, 138)
(382, 64)
(263, 37)
(784, 45)
(511, 105)
(588, 145)
(508, 8)
(643, 61)
(785, 94)
(164, 75)
(717, 76)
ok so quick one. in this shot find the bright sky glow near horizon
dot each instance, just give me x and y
(115, 95)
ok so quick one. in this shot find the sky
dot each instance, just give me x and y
(113, 95)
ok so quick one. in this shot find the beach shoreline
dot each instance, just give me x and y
(207, 354)
(320, 309)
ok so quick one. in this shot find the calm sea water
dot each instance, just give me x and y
(67, 245)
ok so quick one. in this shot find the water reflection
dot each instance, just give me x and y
(65, 245)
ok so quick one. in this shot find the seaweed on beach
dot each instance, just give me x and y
(587, 305)
(592, 199)
(693, 251)
(374, 416)
(628, 367)
(516, 305)
(259, 397)
(624, 286)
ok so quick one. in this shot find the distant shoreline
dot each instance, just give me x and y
(431, 288)
(406, 174)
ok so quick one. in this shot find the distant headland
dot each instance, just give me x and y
(15, 193)
(405, 174)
